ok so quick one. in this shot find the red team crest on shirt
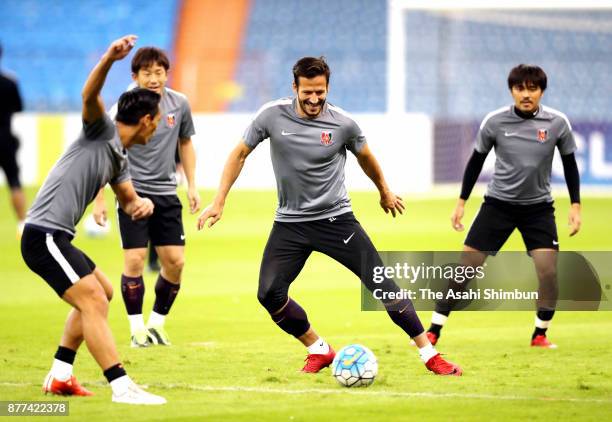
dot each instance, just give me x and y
(542, 135)
(326, 138)
(170, 120)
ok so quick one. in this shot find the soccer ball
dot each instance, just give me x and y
(92, 229)
(355, 366)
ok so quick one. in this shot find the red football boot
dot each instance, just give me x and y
(64, 388)
(439, 366)
(541, 341)
(432, 337)
(316, 362)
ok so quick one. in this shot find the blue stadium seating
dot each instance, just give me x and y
(458, 64)
(52, 45)
(351, 34)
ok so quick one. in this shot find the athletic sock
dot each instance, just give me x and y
(61, 369)
(319, 347)
(165, 293)
(542, 322)
(136, 323)
(117, 378)
(132, 290)
(437, 322)
(155, 319)
(427, 352)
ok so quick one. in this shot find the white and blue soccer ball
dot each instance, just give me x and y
(92, 229)
(355, 366)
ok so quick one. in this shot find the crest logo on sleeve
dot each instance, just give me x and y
(326, 138)
(542, 135)
(171, 120)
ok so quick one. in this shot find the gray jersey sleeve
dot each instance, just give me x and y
(102, 129)
(485, 138)
(187, 128)
(122, 175)
(566, 143)
(257, 131)
(355, 140)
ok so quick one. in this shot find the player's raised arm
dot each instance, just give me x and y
(231, 171)
(389, 201)
(93, 107)
(130, 202)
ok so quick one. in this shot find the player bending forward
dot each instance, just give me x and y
(97, 157)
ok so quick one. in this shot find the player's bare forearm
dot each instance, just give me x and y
(372, 169)
(188, 159)
(93, 107)
(126, 195)
(231, 171)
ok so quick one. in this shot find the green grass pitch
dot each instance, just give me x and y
(230, 362)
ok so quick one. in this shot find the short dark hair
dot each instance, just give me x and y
(136, 103)
(148, 56)
(310, 67)
(525, 73)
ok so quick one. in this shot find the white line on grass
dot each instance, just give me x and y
(357, 392)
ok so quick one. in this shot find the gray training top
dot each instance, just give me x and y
(152, 166)
(97, 157)
(524, 150)
(308, 158)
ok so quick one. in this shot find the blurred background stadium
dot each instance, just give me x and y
(419, 79)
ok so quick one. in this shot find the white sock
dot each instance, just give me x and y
(541, 324)
(438, 319)
(156, 319)
(319, 347)
(427, 352)
(136, 323)
(60, 370)
(120, 385)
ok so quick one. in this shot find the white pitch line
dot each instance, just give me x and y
(358, 392)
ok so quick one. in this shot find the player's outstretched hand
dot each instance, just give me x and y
(121, 47)
(390, 202)
(574, 220)
(214, 212)
(143, 207)
(194, 200)
(457, 215)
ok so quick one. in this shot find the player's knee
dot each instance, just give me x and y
(272, 299)
(134, 263)
(548, 273)
(93, 299)
(174, 264)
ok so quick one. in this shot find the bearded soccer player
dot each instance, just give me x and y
(524, 136)
(97, 157)
(153, 172)
(309, 139)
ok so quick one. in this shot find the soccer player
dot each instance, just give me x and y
(524, 136)
(9, 144)
(153, 170)
(309, 139)
(97, 157)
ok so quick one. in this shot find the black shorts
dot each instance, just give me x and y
(163, 228)
(290, 244)
(51, 255)
(497, 219)
(8, 161)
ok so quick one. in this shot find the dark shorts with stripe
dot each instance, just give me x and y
(497, 219)
(290, 244)
(163, 228)
(51, 255)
